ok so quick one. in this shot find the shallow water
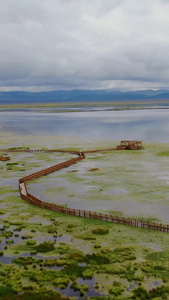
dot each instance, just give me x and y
(90, 293)
(147, 125)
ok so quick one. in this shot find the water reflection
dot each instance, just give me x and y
(146, 125)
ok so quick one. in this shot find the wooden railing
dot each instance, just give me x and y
(51, 169)
(73, 211)
(93, 215)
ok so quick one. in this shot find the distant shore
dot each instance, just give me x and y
(86, 106)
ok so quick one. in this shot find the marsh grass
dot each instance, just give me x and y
(45, 247)
(100, 231)
(125, 255)
(7, 189)
(164, 153)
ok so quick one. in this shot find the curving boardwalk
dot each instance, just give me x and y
(76, 212)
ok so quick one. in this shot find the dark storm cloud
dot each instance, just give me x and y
(50, 44)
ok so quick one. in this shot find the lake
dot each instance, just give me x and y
(147, 124)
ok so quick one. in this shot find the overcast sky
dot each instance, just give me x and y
(84, 44)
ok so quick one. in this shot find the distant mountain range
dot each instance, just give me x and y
(81, 96)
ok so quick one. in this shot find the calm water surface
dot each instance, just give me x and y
(147, 125)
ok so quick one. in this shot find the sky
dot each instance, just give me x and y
(84, 44)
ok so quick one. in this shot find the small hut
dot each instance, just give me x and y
(130, 145)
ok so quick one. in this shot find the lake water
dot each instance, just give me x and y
(148, 124)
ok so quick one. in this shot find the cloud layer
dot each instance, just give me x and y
(67, 44)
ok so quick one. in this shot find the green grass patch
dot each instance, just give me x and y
(24, 261)
(45, 247)
(164, 153)
(101, 231)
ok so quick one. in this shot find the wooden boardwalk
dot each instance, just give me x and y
(76, 212)
(22, 188)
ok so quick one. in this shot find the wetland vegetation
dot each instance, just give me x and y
(48, 255)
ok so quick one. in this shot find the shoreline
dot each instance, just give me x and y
(86, 106)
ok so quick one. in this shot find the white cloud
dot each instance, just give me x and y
(65, 44)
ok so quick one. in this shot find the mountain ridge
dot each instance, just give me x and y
(61, 96)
